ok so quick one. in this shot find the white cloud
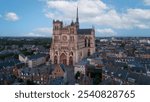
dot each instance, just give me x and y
(132, 18)
(106, 32)
(138, 18)
(43, 30)
(40, 32)
(32, 34)
(98, 13)
(67, 9)
(49, 15)
(147, 2)
(11, 16)
(0, 15)
(139, 13)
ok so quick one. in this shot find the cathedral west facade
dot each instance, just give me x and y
(70, 44)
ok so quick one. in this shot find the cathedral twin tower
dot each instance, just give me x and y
(70, 44)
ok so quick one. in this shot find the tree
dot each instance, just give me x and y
(125, 66)
(96, 80)
(122, 45)
(29, 82)
(77, 75)
(20, 80)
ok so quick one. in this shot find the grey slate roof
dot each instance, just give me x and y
(22, 55)
(143, 80)
(10, 63)
(36, 56)
(84, 31)
(58, 81)
(63, 67)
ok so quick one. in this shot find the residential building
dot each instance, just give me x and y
(36, 60)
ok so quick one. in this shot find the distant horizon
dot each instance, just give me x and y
(95, 36)
(125, 18)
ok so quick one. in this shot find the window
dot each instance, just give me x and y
(85, 43)
(88, 42)
(72, 38)
(56, 27)
(89, 53)
(81, 54)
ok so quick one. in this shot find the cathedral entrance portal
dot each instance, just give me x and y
(55, 60)
(70, 61)
(63, 59)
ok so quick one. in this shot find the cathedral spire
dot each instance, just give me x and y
(77, 19)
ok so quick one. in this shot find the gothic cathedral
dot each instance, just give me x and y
(70, 44)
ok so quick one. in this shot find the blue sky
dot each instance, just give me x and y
(109, 17)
